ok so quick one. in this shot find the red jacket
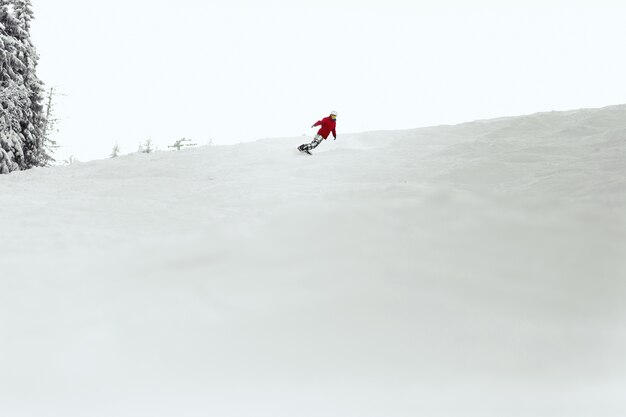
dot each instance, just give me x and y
(328, 126)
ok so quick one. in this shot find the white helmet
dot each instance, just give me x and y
(333, 113)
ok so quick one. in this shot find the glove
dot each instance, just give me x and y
(334, 137)
(312, 126)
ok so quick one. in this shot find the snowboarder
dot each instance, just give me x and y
(328, 125)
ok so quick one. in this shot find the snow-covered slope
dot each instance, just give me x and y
(470, 270)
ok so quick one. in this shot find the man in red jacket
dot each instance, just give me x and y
(328, 126)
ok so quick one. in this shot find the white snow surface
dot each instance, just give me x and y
(470, 270)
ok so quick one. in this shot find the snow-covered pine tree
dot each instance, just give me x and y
(49, 126)
(21, 92)
(116, 151)
(13, 100)
(71, 160)
(147, 146)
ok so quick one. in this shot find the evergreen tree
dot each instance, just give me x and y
(116, 151)
(50, 122)
(13, 99)
(147, 147)
(22, 122)
(71, 160)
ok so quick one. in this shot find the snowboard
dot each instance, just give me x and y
(304, 151)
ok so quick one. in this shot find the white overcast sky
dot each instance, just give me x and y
(240, 70)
